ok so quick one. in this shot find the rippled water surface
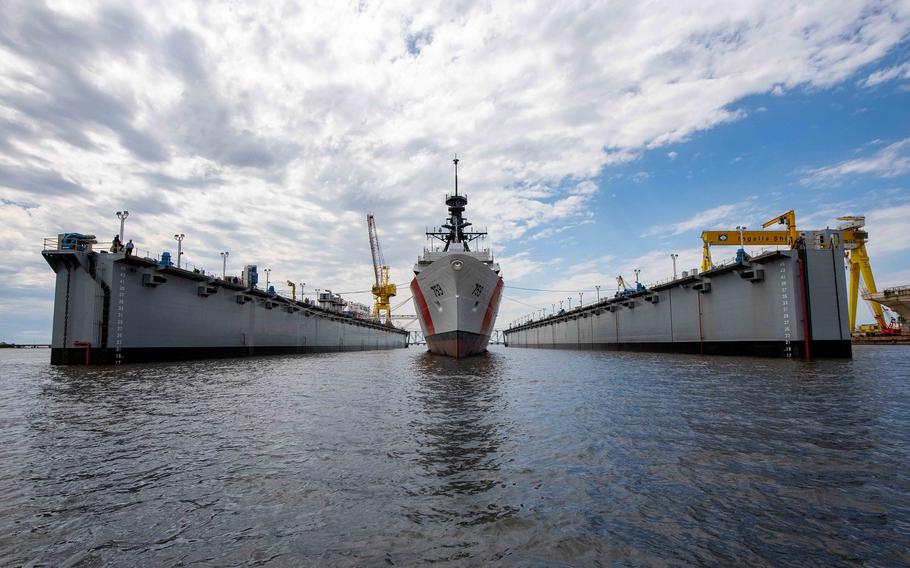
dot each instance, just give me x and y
(520, 457)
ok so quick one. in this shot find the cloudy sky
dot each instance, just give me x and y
(595, 138)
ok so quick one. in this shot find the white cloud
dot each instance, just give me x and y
(891, 161)
(586, 187)
(889, 74)
(271, 130)
(517, 266)
(888, 228)
(672, 155)
(585, 276)
(699, 221)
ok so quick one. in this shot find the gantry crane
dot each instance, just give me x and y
(853, 239)
(382, 289)
(741, 237)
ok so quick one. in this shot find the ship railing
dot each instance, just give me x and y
(887, 292)
(82, 245)
(728, 261)
(53, 244)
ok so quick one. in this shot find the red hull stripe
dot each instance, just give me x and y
(422, 305)
(491, 309)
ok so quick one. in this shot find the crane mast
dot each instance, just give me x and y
(382, 290)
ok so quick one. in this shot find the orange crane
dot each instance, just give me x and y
(383, 290)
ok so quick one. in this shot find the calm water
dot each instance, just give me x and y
(521, 457)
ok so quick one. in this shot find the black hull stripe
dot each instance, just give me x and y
(76, 355)
(818, 349)
(458, 343)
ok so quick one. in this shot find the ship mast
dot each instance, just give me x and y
(453, 231)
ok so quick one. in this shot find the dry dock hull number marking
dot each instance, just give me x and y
(121, 296)
(785, 305)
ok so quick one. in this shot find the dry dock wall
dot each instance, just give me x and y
(131, 310)
(781, 304)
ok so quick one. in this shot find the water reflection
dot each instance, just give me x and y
(521, 457)
(460, 433)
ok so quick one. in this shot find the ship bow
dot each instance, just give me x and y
(457, 307)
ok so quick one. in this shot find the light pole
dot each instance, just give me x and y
(637, 272)
(581, 296)
(268, 273)
(674, 256)
(179, 237)
(224, 256)
(569, 299)
(122, 215)
(560, 305)
(554, 309)
(741, 253)
(597, 288)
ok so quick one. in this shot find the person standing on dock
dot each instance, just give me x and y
(129, 248)
(116, 245)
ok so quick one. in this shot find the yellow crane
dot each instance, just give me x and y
(741, 237)
(854, 240)
(383, 290)
(293, 287)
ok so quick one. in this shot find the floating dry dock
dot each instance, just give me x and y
(114, 308)
(789, 303)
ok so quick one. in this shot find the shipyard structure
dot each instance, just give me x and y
(113, 307)
(787, 303)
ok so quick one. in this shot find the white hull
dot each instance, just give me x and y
(456, 298)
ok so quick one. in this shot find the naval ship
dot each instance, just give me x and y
(456, 290)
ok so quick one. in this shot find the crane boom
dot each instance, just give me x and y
(374, 246)
(382, 289)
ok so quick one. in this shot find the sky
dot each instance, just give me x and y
(595, 138)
